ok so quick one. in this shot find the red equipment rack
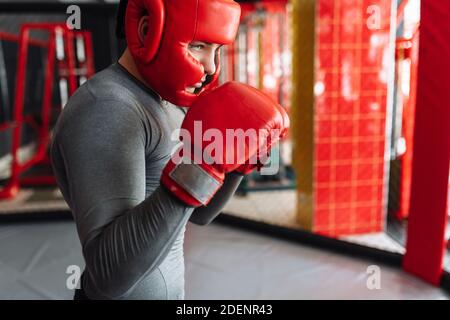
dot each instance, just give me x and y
(73, 69)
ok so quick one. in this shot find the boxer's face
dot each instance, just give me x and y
(205, 53)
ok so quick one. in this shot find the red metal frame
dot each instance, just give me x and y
(15, 38)
(425, 247)
(67, 70)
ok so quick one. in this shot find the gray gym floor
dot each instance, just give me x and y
(221, 263)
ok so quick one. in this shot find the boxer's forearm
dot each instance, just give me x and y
(206, 214)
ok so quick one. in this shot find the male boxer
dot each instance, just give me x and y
(112, 147)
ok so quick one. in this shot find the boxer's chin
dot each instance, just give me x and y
(194, 90)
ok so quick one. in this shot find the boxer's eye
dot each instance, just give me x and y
(197, 46)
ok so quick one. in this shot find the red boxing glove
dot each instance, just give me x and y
(263, 154)
(225, 130)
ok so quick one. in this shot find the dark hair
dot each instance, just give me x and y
(120, 19)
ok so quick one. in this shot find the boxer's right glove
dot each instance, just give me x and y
(210, 147)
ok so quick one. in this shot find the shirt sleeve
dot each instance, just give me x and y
(206, 214)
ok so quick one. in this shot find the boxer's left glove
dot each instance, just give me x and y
(224, 130)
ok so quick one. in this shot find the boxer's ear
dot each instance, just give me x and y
(143, 29)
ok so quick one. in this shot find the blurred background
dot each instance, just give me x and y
(358, 165)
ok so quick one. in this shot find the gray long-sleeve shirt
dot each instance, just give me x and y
(108, 150)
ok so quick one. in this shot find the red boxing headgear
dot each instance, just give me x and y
(163, 60)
